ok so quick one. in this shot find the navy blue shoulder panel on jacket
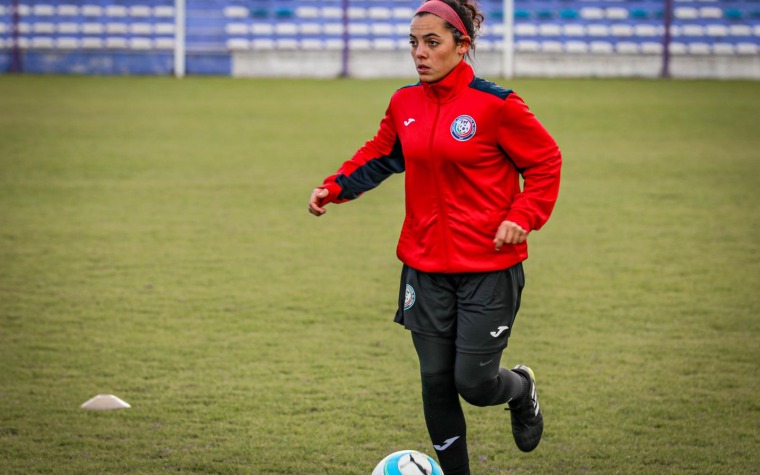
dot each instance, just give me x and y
(490, 88)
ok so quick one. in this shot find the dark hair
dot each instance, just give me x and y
(471, 18)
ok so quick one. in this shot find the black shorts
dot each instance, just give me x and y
(475, 310)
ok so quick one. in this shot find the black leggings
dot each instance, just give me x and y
(446, 374)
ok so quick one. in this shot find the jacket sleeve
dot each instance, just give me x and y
(378, 159)
(538, 159)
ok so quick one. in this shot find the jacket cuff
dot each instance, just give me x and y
(334, 190)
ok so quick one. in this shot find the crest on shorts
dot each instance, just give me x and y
(463, 128)
(409, 297)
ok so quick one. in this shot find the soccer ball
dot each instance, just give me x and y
(407, 462)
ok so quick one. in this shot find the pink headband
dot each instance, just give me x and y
(441, 9)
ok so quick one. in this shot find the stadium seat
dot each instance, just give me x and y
(139, 11)
(93, 28)
(568, 14)
(163, 28)
(724, 49)
(87, 10)
(115, 42)
(140, 43)
(592, 13)
(286, 44)
(380, 13)
(43, 10)
(574, 30)
(740, 30)
(651, 47)
(68, 10)
(307, 12)
(356, 13)
(716, 30)
(116, 28)
(91, 43)
(379, 29)
(263, 44)
(521, 14)
(116, 11)
(746, 48)
(283, 13)
(67, 43)
(235, 12)
(528, 46)
(334, 29)
(601, 47)
(576, 47)
(163, 11)
(312, 44)
(550, 29)
(332, 12)
(141, 29)
(43, 27)
(238, 44)
(686, 13)
(357, 29)
(693, 30)
(616, 13)
(621, 30)
(286, 29)
(68, 28)
(42, 42)
(711, 12)
(598, 30)
(236, 28)
(263, 29)
(733, 14)
(639, 14)
(551, 47)
(699, 48)
(646, 30)
(678, 48)
(310, 28)
(627, 47)
(383, 44)
(163, 43)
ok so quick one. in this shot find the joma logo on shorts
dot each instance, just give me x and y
(499, 331)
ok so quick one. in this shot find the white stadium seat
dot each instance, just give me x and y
(236, 28)
(163, 43)
(141, 29)
(163, 11)
(382, 29)
(711, 12)
(646, 30)
(307, 12)
(238, 44)
(139, 11)
(357, 13)
(116, 10)
(93, 28)
(402, 13)
(286, 29)
(724, 49)
(332, 12)
(627, 47)
(312, 44)
(621, 30)
(67, 42)
(756, 29)
(598, 30)
(574, 30)
(746, 48)
(380, 13)
(116, 28)
(92, 43)
(678, 48)
(592, 13)
(576, 47)
(686, 13)
(310, 29)
(286, 44)
(263, 29)
(617, 13)
(550, 29)
(740, 30)
(333, 29)
(334, 44)
(116, 42)
(601, 47)
(699, 48)
(42, 42)
(68, 10)
(3, 28)
(551, 47)
(526, 29)
(43, 27)
(140, 43)
(402, 29)
(43, 10)
(87, 10)
(24, 10)
(163, 28)
(528, 46)
(693, 30)
(384, 44)
(651, 47)
(360, 44)
(262, 44)
(358, 29)
(24, 27)
(235, 12)
(68, 28)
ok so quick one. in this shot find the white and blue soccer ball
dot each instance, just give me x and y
(407, 462)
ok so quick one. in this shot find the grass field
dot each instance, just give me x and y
(155, 244)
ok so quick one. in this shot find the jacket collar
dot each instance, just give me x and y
(447, 88)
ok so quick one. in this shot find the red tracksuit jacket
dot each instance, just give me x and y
(463, 143)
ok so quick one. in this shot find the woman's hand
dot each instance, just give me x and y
(509, 233)
(315, 203)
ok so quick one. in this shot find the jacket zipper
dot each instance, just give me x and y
(443, 217)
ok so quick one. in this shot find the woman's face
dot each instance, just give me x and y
(434, 51)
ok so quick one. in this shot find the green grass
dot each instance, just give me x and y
(155, 244)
